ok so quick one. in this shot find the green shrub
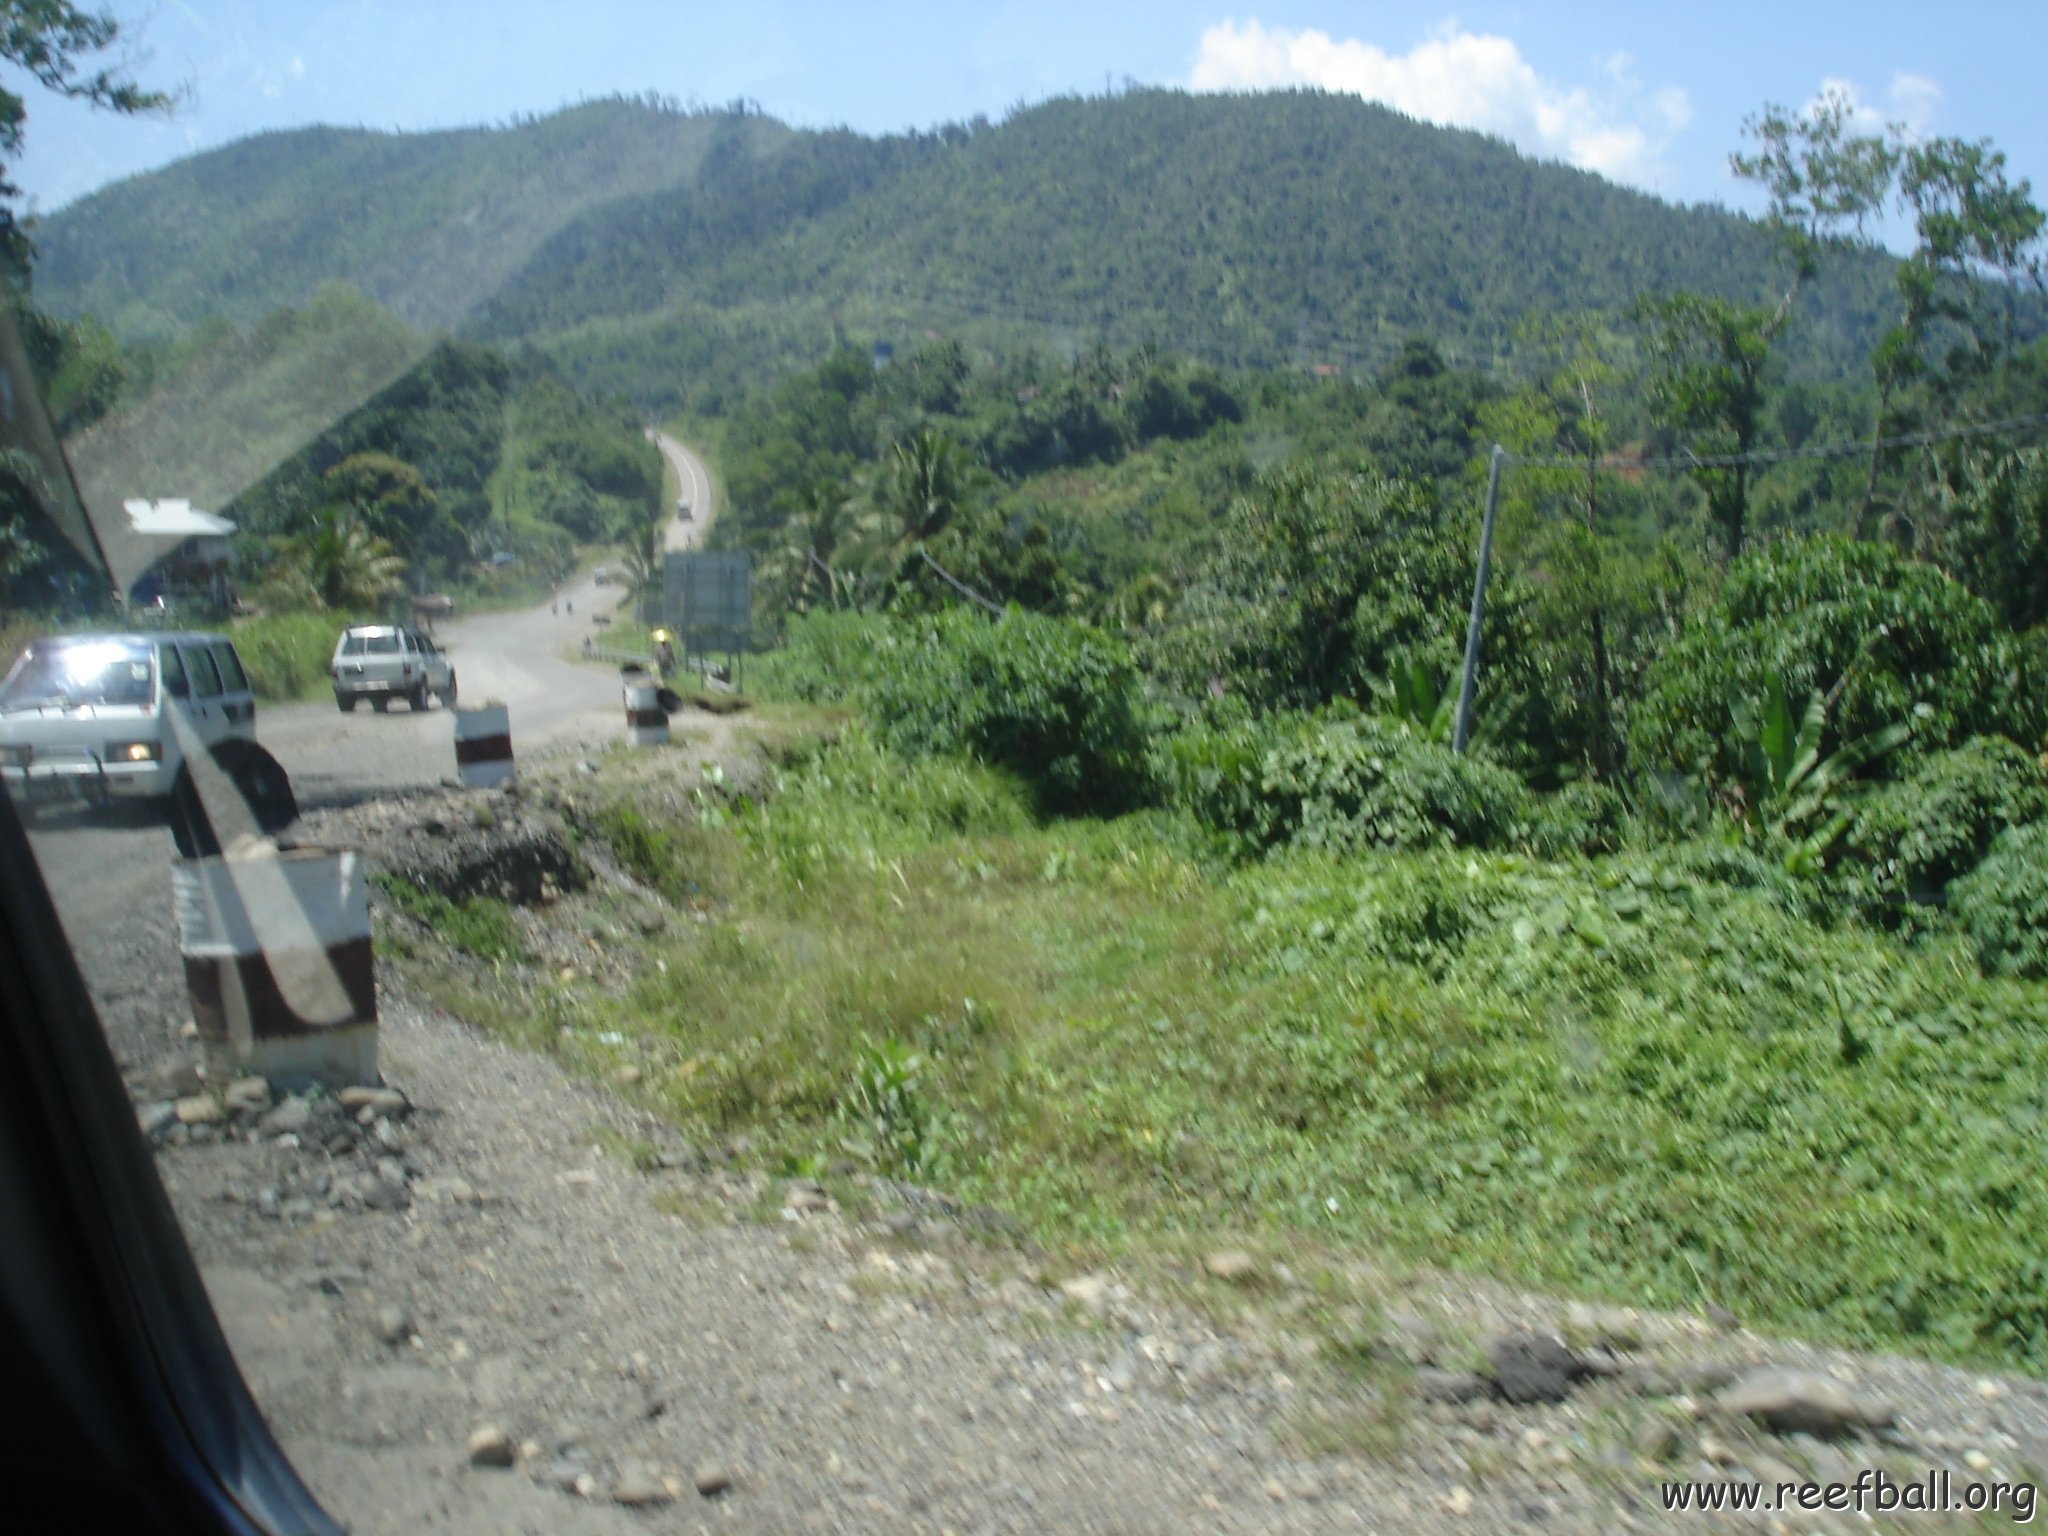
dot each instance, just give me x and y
(2003, 903)
(1910, 839)
(1338, 782)
(1814, 613)
(827, 658)
(1586, 817)
(1052, 701)
(287, 654)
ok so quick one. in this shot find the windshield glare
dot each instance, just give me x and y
(80, 673)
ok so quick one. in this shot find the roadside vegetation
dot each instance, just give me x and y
(1157, 899)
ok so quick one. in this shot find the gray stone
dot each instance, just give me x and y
(640, 1490)
(1722, 1318)
(199, 1109)
(248, 1095)
(1435, 1386)
(287, 1117)
(385, 1194)
(386, 1136)
(1233, 1266)
(804, 1198)
(562, 1473)
(713, 1480)
(490, 1446)
(174, 1080)
(388, 1102)
(157, 1118)
(392, 1325)
(1791, 1402)
(1532, 1368)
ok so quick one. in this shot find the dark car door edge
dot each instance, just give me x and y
(122, 1400)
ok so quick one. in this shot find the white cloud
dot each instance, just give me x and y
(1463, 79)
(1915, 100)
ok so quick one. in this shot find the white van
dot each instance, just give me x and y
(87, 716)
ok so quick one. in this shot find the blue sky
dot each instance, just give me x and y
(1650, 94)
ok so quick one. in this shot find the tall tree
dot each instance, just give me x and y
(1978, 239)
(1826, 183)
(1710, 356)
(51, 41)
(335, 562)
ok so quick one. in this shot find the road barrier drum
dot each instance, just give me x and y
(646, 720)
(483, 746)
(277, 958)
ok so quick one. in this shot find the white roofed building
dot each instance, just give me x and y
(194, 553)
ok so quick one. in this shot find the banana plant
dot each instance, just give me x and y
(1410, 694)
(1789, 786)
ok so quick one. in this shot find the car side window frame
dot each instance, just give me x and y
(233, 674)
(172, 677)
(199, 661)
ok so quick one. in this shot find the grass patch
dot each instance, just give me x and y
(287, 654)
(481, 926)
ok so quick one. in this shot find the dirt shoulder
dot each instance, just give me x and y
(515, 1264)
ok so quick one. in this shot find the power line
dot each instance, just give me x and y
(959, 586)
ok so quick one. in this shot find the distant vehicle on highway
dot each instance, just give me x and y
(382, 662)
(87, 717)
(683, 509)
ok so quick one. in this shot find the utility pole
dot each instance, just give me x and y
(1463, 731)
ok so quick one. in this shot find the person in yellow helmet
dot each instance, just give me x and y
(664, 654)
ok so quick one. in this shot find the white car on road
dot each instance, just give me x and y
(87, 717)
(382, 662)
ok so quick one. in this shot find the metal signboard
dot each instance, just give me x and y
(709, 597)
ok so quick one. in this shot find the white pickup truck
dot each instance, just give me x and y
(382, 662)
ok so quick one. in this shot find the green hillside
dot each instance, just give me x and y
(1254, 230)
(1251, 230)
(423, 223)
(466, 453)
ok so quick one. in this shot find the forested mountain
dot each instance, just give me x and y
(426, 224)
(1294, 228)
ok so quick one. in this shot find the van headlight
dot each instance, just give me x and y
(135, 751)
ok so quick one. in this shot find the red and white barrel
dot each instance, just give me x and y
(278, 965)
(646, 720)
(483, 746)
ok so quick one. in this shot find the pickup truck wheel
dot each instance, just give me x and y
(380, 702)
(346, 702)
(448, 693)
(418, 699)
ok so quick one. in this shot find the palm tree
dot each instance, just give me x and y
(335, 562)
(646, 564)
(925, 487)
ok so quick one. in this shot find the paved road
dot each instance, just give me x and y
(104, 868)
(696, 481)
(520, 658)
